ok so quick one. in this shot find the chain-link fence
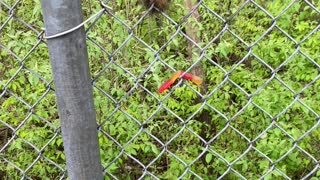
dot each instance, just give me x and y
(255, 116)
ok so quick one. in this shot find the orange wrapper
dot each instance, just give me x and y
(196, 80)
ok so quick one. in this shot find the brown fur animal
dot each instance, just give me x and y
(160, 4)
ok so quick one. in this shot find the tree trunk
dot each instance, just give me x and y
(191, 31)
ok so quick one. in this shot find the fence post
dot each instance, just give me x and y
(69, 60)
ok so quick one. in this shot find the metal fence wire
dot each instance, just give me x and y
(256, 115)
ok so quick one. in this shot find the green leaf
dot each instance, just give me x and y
(244, 166)
(208, 158)
(154, 149)
(112, 130)
(314, 178)
(18, 145)
(295, 133)
(264, 164)
(59, 141)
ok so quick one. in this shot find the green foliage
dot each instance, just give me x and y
(258, 114)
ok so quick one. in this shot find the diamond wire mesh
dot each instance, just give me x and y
(29, 132)
(146, 135)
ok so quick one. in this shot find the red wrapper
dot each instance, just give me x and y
(165, 86)
(187, 76)
(195, 79)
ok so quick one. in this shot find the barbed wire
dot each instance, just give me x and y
(39, 152)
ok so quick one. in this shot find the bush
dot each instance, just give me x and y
(258, 115)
